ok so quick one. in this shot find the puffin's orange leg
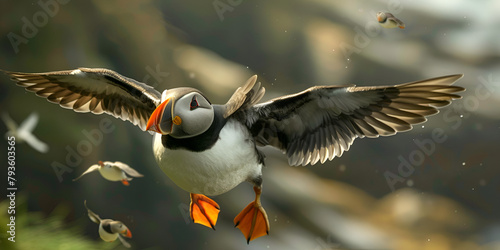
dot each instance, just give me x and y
(125, 182)
(252, 221)
(204, 210)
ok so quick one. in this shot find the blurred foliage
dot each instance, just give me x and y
(33, 230)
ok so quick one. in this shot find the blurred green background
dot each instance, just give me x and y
(448, 201)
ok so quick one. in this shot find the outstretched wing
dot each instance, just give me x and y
(91, 169)
(391, 18)
(244, 97)
(127, 169)
(123, 241)
(322, 122)
(93, 216)
(35, 143)
(94, 90)
(29, 124)
(9, 123)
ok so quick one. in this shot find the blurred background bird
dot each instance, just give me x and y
(444, 198)
(110, 230)
(113, 171)
(389, 21)
(24, 132)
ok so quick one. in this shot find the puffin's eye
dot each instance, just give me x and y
(194, 103)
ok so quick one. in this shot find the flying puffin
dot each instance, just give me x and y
(113, 171)
(109, 229)
(389, 21)
(24, 132)
(209, 149)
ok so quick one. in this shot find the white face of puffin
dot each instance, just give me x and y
(119, 227)
(186, 116)
(381, 17)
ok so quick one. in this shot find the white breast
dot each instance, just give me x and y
(389, 24)
(112, 174)
(214, 171)
(105, 235)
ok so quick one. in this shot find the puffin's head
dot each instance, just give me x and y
(104, 165)
(183, 113)
(119, 227)
(381, 17)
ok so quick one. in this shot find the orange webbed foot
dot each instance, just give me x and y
(252, 221)
(204, 210)
(125, 182)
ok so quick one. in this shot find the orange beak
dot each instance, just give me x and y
(157, 120)
(126, 233)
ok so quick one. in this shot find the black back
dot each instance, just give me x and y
(106, 225)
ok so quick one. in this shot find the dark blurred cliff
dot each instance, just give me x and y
(379, 195)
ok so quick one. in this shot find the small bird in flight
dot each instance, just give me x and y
(113, 171)
(109, 229)
(389, 21)
(24, 133)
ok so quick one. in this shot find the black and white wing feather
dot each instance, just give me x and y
(322, 122)
(93, 216)
(244, 97)
(127, 169)
(123, 241)
(91, 169)
(94, 90)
